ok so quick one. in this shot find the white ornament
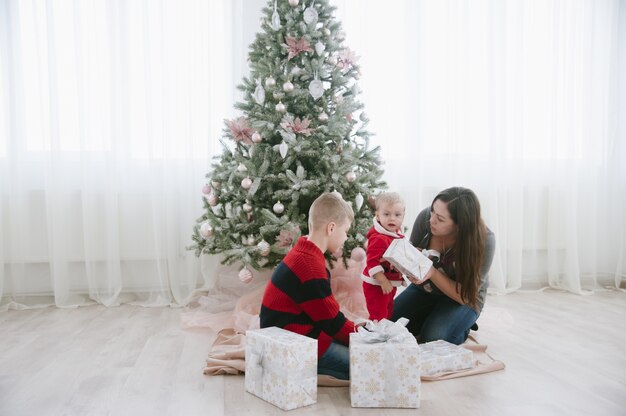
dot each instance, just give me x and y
(216, 184)
(280, 107)
(358, 200)
(319, 48)
(288, 86)
(294, 3)
(275, 19)
(245, 275)
(256, 137)
(332, 60)
(213, 200)
(326, 31)
(206, 230)
(250, 241)
(270, 82)
(351, 176)
(316, 89)
(259, 93)
(282, 148)
(247, 207)
(323, 117)
(278, 208)
(242, 168)
(310, 16)
(246, 183)
(363, 117)
(264, 248)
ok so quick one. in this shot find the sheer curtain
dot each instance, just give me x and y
(109, 113)
(520, 101)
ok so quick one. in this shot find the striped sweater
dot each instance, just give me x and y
(298, 298)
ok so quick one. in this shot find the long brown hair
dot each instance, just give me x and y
(464, 209)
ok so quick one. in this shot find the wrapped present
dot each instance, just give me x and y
(384, 366)
(407, 259)
(281, 367)
(443, 357)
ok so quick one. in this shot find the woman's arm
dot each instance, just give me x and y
(448, 286)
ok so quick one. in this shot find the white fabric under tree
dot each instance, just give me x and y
(111, 110)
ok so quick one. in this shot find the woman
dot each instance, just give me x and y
(447, 304)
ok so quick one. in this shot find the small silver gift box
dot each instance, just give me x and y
(443, 357)
(281, 367)
(407, 259)
(384, 366)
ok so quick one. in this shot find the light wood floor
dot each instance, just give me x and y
(565, 355)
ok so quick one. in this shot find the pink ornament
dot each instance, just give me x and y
(246, 183)
(206, 230)
(358, 254)
(245, 275)
(350, 176)
(213, 200)
(294, 3)
(256, 137)
(206, 189)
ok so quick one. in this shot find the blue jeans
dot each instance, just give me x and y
(335, 362)
(433, 316)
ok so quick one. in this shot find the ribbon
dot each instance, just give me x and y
(384, 331)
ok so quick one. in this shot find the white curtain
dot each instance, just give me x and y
(523, 101)
(110, 111)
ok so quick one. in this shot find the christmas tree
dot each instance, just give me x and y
(302, 133)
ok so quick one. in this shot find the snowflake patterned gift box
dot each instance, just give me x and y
(443, 357)
(407, 259)
(384, 366)
(281, 367)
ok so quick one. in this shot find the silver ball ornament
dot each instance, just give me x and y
(278, 208)
(264, 248)
(323, 117)
(280, 107)
(246, 183)
(247, 207)
(256, 137)
(294, 3)
(350, 176)
(288, 86)
(245, 275)
(270, 82)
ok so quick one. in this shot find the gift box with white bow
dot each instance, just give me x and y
(384, 366)
(281, 367)
(407, 259)
(443, 357)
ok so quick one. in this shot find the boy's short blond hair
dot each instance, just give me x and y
(329, 207)
(388, 198)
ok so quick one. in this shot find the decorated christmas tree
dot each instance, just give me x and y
(302, 132)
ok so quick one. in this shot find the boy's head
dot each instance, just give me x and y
(331, 216)
(390, 211)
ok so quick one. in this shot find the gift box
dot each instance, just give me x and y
(281, 367)
(443, 357)
(384, 366)
(407, 259)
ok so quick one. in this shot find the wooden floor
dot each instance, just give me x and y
(565, 355)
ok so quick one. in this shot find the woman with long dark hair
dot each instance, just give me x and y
(448, 302)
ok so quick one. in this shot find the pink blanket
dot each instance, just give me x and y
(231, 308)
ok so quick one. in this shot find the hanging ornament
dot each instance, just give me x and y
(323, 117)
(358, 200)
(316, 88)
(278, 208)
(294, 3)
(247, 207)
(270, 82)
(206, 189)
(259, 93)
(250, 241)
(216, 184)
(280, 107)
(264, 248)
(310, 15)
(363, 117)
(371, 201)
(206, 230)
(319, 48)
(282, 148)
(213, 200)
(275, 19)
(288, 86)
(242, 168)
(332, 60)
(245, 275)
(256, 137)
(327, 31)
(246, 183)
(350, 176)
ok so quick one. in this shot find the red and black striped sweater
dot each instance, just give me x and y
(298, 298)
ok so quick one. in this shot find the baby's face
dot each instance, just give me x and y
(390, 216)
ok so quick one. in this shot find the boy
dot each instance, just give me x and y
(379, 279)
(298, 297)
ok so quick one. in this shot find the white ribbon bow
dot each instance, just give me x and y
(384, 331)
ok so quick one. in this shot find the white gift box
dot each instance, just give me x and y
(281, 367)
(407, 259)
(443, 357)
(384, 368)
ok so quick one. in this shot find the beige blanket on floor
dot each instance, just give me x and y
(231, 308)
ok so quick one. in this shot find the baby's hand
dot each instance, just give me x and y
(386, 286)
